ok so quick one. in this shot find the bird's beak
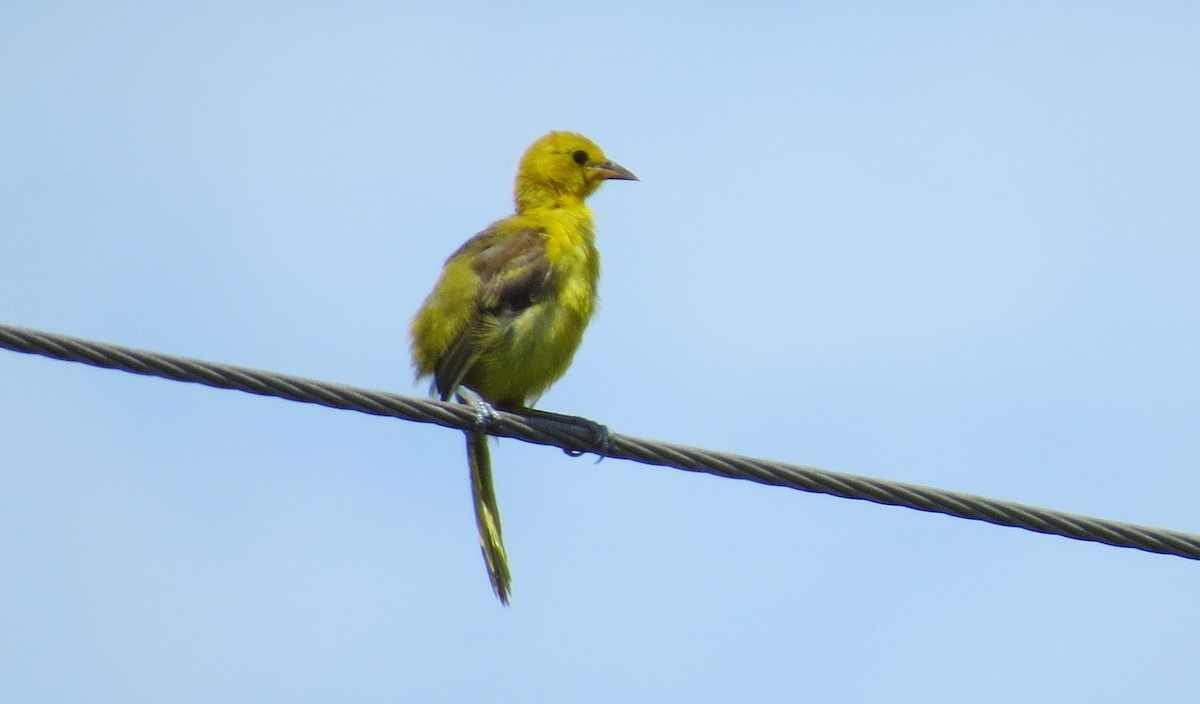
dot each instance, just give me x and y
(613, 170)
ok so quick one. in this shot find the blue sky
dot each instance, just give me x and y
(950, 244)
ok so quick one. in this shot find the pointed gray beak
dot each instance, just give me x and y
(614, 171)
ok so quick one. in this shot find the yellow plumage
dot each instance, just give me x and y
(509, 310)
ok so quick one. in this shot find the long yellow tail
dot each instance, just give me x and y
(487, 515)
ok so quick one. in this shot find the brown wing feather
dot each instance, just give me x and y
(514, 274)
(458, 359)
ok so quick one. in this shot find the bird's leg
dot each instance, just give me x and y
(485, 415)
(600, 436)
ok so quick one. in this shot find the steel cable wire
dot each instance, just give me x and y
(575, 439)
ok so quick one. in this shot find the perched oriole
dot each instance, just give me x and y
(509, 310)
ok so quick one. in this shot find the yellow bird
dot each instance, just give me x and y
(509, 310)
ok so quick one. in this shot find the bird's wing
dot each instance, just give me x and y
(514, 274)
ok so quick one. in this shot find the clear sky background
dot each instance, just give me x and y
(955, 244)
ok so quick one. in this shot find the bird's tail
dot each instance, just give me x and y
(487, 514)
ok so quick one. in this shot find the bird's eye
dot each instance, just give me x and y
(580, 157)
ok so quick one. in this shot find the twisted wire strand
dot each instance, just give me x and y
(574, 439)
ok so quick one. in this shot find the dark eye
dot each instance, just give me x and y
(580, 157)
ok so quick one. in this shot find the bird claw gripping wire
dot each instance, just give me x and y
(486, 417)
(599, 437)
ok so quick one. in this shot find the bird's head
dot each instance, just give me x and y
(563, 165)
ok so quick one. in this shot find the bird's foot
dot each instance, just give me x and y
(599, 437)
(485, 416)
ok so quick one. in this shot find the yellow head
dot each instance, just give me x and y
(563, 166)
